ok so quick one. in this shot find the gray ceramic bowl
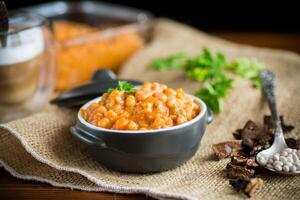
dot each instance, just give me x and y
(143, 151)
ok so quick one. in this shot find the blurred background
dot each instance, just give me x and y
(282, 16)
(273, 24)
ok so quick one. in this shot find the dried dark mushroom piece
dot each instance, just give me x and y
(254, 138)
(225, 149)
(252, 187)
(270, 127)
(250, 134)
(239, 184)
(243, 167)
(237, 134)
(244, 161)
(238, 172)
(248, 187)
(293, 143)
(286, 128)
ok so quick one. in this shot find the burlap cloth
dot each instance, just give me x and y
(41, 148)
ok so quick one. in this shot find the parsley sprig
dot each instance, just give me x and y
(123, 86)
(172, 62)
(214, 71)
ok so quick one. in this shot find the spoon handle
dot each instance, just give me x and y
(268, 82)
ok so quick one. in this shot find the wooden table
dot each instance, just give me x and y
(12, 188)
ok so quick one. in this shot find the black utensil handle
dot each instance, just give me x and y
(4, 25)
(210, 116)
(104, 75)
(87, 137)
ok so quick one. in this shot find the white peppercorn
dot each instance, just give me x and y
(288, 160)
(276, 157)
(278, 167)
(286, 168)
(284, 153)
(278, 163)
(263, 161)
(283, 159)
(288, 150)
(295, 158)
(293, 169)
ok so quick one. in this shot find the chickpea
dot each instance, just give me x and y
(157, 87)
(148, 107)
(171, 102)
(143, 123)
(130, 101)
(181, 119)
(158, 123)
(93, 106)
(170, 92)
(151, 116)
(111, 115)
(117, 108)
(160, 108)
(179, 93)
(119, 100)
(139, 95)
(95, 116)
(147, 86)
(110, 102)
(84, 114)
(104, 123)
(124, 113)
(162, 97)
(120, 124)
(169, 121)
(104, 97)
(163, 87)
(132, 125)
(101, 109)
(173, 117)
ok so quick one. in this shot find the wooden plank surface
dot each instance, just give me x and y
(13, 189)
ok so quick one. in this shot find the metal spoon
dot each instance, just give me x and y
(268, 80)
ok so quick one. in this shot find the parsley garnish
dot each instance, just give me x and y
(247, 68)
(213, 71)
(214, 93)
(123, 86)
(172, 62)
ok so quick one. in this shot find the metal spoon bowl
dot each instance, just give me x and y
(268, 80)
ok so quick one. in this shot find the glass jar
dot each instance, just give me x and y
(26, 65)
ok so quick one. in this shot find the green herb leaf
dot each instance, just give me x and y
(247, 68)
(205, 66)
(123, 86)
(176, 61)
(212, 70)
(214, 93)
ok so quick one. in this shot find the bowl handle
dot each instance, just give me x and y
(210, 116)
(87, 138)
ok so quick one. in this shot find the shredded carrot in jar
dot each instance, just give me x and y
(153, 106)
(77, 61)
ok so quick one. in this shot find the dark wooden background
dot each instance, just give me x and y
(245, 15)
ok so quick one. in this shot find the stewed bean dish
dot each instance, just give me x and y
(152, 106)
